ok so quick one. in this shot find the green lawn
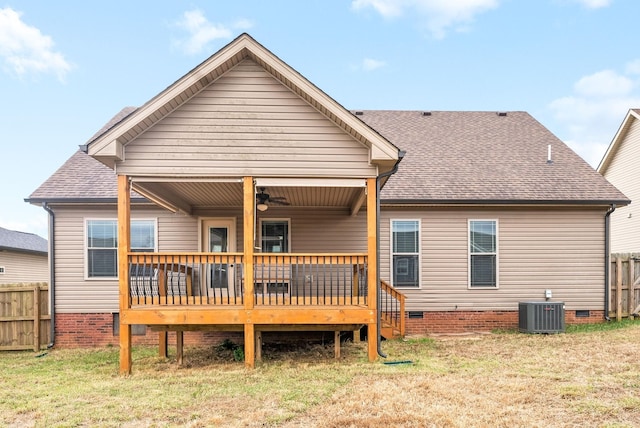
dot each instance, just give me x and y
(588, 377)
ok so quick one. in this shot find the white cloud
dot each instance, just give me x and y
(386, 8)
(25, 49)
(604, 83)
(369, 64)
(439, 15)
(594, 4)
(200, 32)
(593, 113)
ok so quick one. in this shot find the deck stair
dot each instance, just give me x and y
(392, 307)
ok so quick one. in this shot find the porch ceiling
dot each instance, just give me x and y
(193, 196)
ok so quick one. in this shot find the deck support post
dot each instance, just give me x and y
(249, 201)
(258, 345)
(336, 344)
(163, 345)
(250, 345)
(124, 233)
(372, 257)
(180, 346)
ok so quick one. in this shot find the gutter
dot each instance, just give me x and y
(519, 202)
(52, 274)
(607, 259)
(379, 178)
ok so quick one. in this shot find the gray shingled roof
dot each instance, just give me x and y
(23, 242)
(484, 157)
(82, 177)
(451, 157)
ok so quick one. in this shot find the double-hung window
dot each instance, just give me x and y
(483, 253)
(102, 244)
(405, 252)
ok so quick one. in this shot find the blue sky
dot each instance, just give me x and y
(67, 67)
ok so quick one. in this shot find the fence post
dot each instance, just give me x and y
(618, 288)
(36, 317)
(631, 293)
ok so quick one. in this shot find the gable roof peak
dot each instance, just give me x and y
(108, 147)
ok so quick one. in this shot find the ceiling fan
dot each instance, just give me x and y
(262, 198)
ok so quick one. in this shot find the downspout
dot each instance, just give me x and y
(52, 274)
(607, 259)
(401, 154)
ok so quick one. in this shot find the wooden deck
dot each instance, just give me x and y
(249, 291)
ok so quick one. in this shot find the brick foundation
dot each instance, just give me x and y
(95, 330)
(480, 321)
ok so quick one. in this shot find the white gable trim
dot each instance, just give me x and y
(617, 140)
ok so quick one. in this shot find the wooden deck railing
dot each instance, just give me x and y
(392, 307)
(218, 279)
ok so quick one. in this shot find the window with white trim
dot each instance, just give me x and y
(483, 253)
(405, 253)
(102, 244)
(1, 270)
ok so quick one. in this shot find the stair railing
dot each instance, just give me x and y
(392, 307)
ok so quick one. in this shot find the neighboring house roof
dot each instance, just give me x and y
(484, 157)
(12, 240)
(632, 115)
(451, 157)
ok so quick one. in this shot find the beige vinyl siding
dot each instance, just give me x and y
(624, 173)
(312, 231)
(327, 231)
(246, 123)
(23, 267)
(75, 294)
(538, 249)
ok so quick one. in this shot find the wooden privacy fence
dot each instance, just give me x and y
(625, 285)
(24, 316)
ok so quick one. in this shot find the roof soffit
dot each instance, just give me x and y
(243, 47)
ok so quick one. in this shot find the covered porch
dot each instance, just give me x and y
(248, 290)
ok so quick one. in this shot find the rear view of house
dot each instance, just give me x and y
(244, 199)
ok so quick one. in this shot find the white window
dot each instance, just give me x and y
(405, 253)
(483, 253)
(102, 244)
(1, 270)
(274, 236)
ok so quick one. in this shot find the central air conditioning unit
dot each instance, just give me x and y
(541, 317)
